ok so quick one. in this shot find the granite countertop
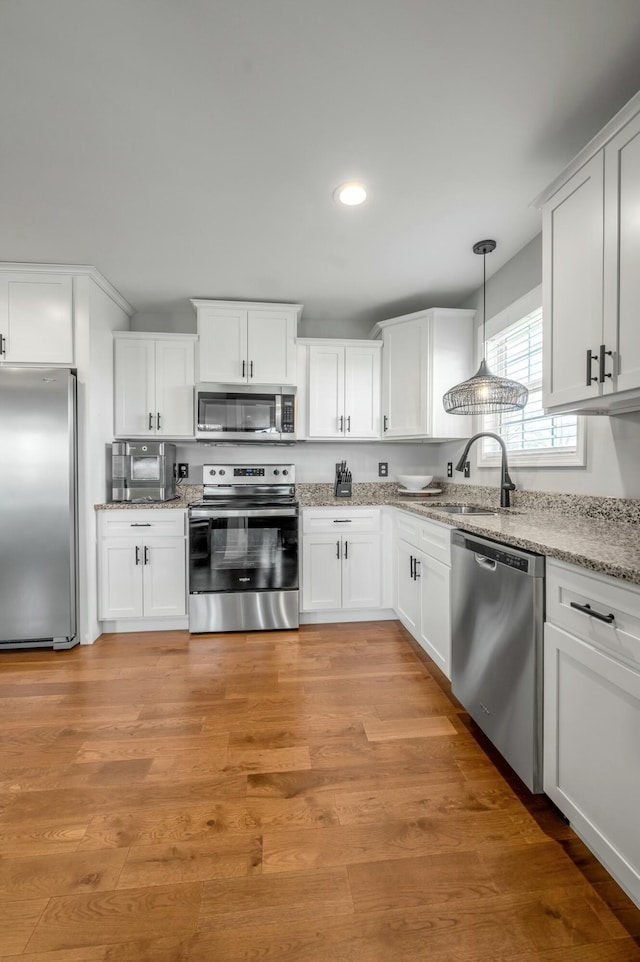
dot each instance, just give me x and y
(601, 534)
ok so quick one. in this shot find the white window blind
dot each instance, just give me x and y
(530, 435)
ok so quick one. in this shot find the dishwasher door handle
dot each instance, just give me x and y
(487, 563)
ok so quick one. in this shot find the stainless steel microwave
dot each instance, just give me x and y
(245, 412)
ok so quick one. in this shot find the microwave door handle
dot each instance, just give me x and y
(278, 412)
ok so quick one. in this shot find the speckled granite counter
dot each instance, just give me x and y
(602, 534)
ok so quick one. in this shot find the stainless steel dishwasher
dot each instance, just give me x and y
(497, 604)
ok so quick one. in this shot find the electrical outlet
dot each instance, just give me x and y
(467, 469)
(183, 471)
(449, 469)
(383, 469)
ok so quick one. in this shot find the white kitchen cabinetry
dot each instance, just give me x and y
(422, 584)
(36, 317)
(246, 343)
(592, 714)
(343, 397)
(424, 354)
(343, 564)
(141, 567)
(591, 284)
(153, 385)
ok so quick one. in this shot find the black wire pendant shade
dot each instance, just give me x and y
(485, 393)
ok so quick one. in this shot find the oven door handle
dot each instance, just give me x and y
(243, 513)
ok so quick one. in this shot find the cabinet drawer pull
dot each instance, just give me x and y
(140, 524)
(591, 357)
(342, 520)
(601, 361)
(586, 609)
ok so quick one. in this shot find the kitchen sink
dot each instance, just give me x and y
(463, 509)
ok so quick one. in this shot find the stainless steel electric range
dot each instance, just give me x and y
(243, 549)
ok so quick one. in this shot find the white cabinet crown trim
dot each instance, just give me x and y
(73, 269)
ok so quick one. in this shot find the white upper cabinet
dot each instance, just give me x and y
(246, 342)
(591, 284)
(36, 318)
(343, 398)
(424, 354)
(153, 385)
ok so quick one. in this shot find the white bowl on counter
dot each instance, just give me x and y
(414, 482)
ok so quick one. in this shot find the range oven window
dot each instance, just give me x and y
(237, 413)
(243, 554)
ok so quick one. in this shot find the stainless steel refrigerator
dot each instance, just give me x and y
(38, 510)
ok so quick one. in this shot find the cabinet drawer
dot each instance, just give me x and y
(431, 537)
(342, 520)
(618, 636)
(148, 523)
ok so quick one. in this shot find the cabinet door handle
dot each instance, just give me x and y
(586, 609)
(3, 346)
(385, 423)
(150, 421)
(146, 555)
(244, 367)
(158, 421)
(341, 428)
(411, 559)
(338, 550)
(591, 357)
(416, 573)
(251, 369)
(137, 554)
(349, 424)
(346, 550)
(601, 361)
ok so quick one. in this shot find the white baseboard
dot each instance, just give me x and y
(145, 624)
(342, 614)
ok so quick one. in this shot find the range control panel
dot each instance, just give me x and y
(248, 473)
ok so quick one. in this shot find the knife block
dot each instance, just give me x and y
(342, 489)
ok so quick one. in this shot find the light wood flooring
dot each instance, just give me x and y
(303, 796)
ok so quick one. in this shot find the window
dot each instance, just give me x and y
(514, 350)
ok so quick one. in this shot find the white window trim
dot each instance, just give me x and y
(573, 459)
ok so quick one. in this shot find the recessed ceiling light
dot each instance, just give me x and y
(352, 193)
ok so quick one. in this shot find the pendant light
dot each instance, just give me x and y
(485, 393)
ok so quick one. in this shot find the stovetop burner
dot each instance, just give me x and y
(247, 486)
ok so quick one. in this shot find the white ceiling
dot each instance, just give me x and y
(189, 148)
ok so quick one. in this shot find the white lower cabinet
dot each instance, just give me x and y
(592, 714)
(343, 563)
(141, 565)
(422, 584)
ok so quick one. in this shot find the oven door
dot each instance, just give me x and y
(230, 413)
(251, 549)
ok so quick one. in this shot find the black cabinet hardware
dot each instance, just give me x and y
(137, 554)
(146, 555)
(140, 524)
(150, 421)
(601, 361)
(3, 345)
(385, 422)
(338, 550)
(591, 357)
(346, 549)
(341, 428)
(586, 609)
(251, 369)
(416, 572)
(411, 562)
(349, 424)
(244, 367)
(158, 421)
(342, 520)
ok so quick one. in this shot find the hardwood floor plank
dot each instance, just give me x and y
(425, 727)
(32, 838)
(219, 857)
(260, 900)
(104, 918)
(17, 922)
(104, 750)
(60, 874)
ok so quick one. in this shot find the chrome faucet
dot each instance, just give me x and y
(506, 484)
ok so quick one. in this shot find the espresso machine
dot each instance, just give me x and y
(143, 471)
